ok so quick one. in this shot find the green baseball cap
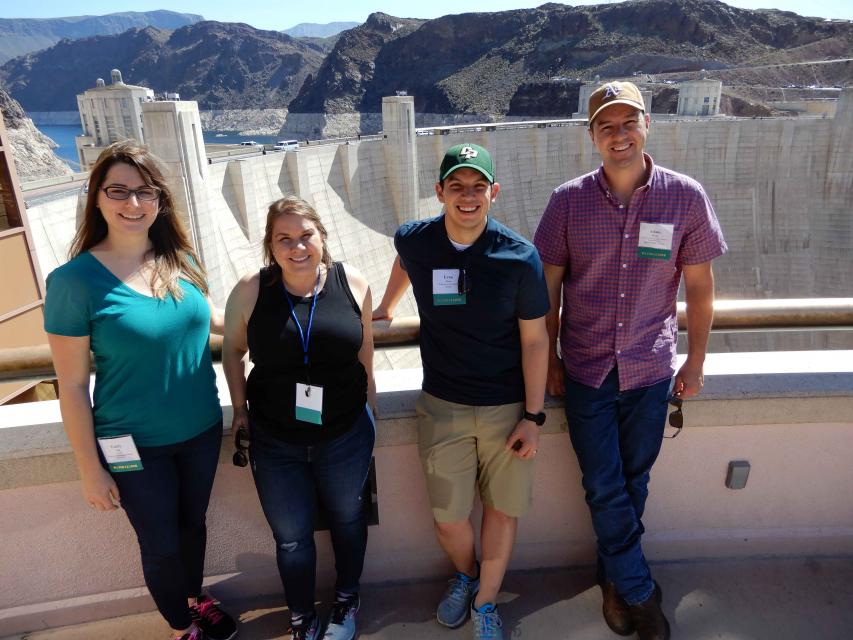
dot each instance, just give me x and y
(467, 155)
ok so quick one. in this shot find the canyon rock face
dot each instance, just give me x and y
(220, 65)
(19, 36)
(501, 63)
(32, 150)
(518, 63)
(348, 71)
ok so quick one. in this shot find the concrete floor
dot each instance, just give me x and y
(753, 599)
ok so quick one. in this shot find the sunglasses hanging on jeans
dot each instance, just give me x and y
(241, 442)
(676, 418)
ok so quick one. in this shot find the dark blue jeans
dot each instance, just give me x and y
(166, 503)
(289, 479)
(617, 437)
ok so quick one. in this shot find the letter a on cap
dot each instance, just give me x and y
(612, 90)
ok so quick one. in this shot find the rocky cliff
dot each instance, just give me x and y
(25, 35)
(488, 64)
(479, 62)
(221, 65)
(348, 71)
(32, 150)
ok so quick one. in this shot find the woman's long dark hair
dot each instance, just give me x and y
(174, 256)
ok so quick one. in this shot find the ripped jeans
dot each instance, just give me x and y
(290, 478)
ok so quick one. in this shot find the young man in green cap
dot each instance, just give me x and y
(482, 301)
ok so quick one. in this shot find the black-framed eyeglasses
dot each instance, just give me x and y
(241, 442)
(676, 417)
(143, 194)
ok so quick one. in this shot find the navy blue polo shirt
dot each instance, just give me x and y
(471, 352)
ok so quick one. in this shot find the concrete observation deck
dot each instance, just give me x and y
(745, 599)
(773, 560)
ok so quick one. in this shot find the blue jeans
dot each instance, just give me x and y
(166, 503)
(290, 478)
(617, 436)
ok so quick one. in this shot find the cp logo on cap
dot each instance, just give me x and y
(612, 90)
(468, 153)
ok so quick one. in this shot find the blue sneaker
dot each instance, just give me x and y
(487, 622)
(342, 621)
(456, 601)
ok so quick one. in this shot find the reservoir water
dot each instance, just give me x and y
(64, 135)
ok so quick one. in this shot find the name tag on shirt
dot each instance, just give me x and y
(445, 287)
(309, 403)
(120, 453)
(655, 241)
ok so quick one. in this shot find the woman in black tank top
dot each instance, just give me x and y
(306, 409)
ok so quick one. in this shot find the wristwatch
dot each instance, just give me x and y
(536, 418)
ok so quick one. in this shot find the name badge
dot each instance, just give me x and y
(655, 241)
(445, 287)
(309, 403)
(120, 453)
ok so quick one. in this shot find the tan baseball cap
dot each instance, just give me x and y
(614, 93)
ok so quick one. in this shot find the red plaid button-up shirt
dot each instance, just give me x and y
(619, 309)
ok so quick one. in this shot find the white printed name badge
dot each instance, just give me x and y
(120, 453)
(655, 241)
(309, 403)
(445, 287)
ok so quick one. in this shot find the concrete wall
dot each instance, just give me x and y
(823, 108)
(788, 414)
(699, 97)
(313, 126)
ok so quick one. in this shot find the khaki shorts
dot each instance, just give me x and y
(462, 447)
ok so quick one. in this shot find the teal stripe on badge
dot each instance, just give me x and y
(656, 254)
(445, 299)
(309, 415)
(120, 467)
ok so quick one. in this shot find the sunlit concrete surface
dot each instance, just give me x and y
(757, 599)
(788, 414)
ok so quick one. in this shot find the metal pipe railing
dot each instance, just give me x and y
(35, 362)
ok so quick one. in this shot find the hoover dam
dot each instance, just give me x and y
(782, 188)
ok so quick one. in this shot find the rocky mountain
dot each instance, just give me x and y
(348, 71)
(521, 62)
(479, 62)
(25, 35)
(221, 65)
(551, 99)
(32, 150)
(314, 30)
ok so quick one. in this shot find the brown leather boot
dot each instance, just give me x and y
(648, 619)
(615, 611)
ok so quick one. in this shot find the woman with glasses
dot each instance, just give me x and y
(306, 323)
(134, 293)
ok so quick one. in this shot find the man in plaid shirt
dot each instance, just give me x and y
(616, 243)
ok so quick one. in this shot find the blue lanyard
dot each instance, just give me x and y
(304, 337)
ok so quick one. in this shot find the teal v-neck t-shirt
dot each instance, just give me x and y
(154, 377)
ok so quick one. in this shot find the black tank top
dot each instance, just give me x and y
(276, 351)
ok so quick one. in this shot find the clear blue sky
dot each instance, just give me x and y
(259, 14)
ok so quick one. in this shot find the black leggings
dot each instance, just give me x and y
(166, 503)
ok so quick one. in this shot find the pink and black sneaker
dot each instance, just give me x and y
(216, 624)
(193, 634)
